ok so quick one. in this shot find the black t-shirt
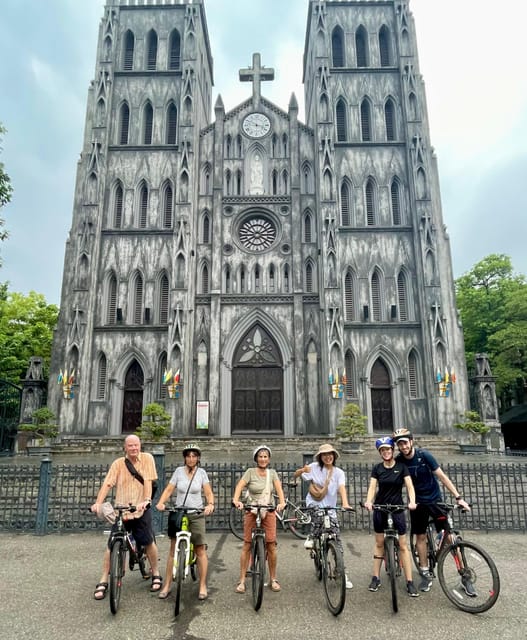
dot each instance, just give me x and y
(389, 483)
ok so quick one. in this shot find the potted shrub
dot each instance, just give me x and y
(42, 429)
(351, 427)
(156, 423)
(475, 431)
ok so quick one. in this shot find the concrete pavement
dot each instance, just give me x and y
(47, 585)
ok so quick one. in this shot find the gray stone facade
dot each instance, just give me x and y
(258, 257)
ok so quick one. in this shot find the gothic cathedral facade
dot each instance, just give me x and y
(253, 273)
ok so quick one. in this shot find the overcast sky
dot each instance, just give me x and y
(471, 59)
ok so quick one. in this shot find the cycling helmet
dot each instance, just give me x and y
(191, 446)
(259, 448)
(402, 434)
(385, 441)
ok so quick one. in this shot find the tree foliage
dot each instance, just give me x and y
(26, 329)
(492, 301)
(5, 191)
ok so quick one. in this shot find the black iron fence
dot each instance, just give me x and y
(53, 498)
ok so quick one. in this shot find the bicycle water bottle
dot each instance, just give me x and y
(133, 543)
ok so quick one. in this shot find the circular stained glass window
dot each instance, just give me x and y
(257, 233)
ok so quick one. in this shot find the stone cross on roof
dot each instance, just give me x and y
(257, 74)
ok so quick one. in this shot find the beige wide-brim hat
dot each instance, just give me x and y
(326, 448)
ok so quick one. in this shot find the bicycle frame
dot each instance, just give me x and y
(190, 558)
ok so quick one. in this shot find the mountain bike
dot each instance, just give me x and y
(295, 518)
(392, 562)
(184, 556)
(466, 572)
(258, 553)
(328, 558)
(122, 542)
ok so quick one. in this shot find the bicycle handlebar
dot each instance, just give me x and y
(267, 507)
(393, 508)
(185, 510)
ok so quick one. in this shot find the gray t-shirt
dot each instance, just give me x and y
(181, 481)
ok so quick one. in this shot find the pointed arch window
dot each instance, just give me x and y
(308, 231)
(168, 204)
(274, 145)
(163, 299)
(243, 283)
(228, 283)
(376, 296)
(345, 205)
(274, 183)
(101, 377)
(205, 229)
(228, 146)
(385, 47)
(285, 182)
(137, 302)
(413, 378)
(337, 47)
(151, 60)
(371, 204)
(111, 299)
(349, 366)
(257, 281)
(128, 52)
(307, 178)
(309, 278)
(161, 386)
(148, 123)
(349, 296)
(395, 198)
(180, 272)
(204, 279)
(143, 206)
(342, 126)
(238, 146)
(238, 178)
(285, 144)
(118, 207)
(365, 120)
(286, 280)
(171, 124)
(228, 182)
(272, 284)
(389, 120)
(361, 47)
(174, 49)
(124, 123)
(402, 296)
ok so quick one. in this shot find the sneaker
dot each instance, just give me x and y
(349, 583)
(412, 591)
(468, 587)
(425, 583)
(308, 544)
(374, 584)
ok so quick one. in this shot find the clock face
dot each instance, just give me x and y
(256, 125)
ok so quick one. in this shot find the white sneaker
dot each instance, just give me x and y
(349, 583)
(308, 544)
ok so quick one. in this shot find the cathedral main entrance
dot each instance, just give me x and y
(133, 398)
(381, 398)
(257, 385)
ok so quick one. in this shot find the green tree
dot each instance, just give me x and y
(5, 191)
(492, 301)
(26, 329)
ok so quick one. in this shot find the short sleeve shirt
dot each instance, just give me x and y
(390, 482)
(127, 488)
(319, 475)
(421, 468)
(181, 481)
(256, 484)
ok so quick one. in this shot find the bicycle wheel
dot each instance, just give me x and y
(236, 522)
(299, 520)
(258, 572)
(180, 574)
(334, 578)
(117, 554)
(430, 551)
(391, 569)
(315, 554)
(468, 577)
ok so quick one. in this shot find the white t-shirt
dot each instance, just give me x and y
(318, 475)
(181, 481)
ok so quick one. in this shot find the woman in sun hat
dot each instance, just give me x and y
(327, 484)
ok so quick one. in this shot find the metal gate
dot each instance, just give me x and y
(10, 399)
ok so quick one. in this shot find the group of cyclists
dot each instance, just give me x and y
(414, 469)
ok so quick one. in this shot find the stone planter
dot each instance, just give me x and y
(472, 449)
(352, 446)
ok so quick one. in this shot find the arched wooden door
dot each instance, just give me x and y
(381, 398)
(257, 385)
(133, 398)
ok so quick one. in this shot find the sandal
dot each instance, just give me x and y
(240, 587)
(100, 590)
(275, 585)
(157, 581)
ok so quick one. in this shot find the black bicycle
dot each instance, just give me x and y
(466, 572)
(328, 558)
(392, 562)
(122, 542)
(295, 518)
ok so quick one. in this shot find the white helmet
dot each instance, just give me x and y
(259, 448)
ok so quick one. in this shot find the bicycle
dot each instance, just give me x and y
(460, 565)
(122, 542)
(296, 519)
(328, 559)
(392, 562)
(184, 556)
(258, 553)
